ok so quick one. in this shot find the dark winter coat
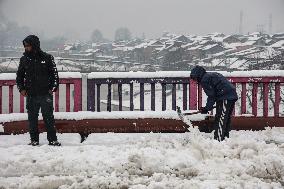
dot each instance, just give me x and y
(37, 72)
(215, 85)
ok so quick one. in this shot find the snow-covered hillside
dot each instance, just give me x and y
(190, 160)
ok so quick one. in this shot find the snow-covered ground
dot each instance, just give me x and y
(189, 160)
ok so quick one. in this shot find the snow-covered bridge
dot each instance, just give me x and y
(144, 102)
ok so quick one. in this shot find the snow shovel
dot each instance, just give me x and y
(181, 115)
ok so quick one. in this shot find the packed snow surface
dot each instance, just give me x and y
(105, 115)
(138, 161)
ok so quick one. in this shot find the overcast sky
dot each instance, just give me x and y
(78, 18)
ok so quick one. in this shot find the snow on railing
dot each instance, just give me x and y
(162, 74)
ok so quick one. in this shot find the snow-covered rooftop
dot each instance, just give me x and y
(278, 44)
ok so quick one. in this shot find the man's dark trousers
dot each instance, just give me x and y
(222, 124)
(45, 103)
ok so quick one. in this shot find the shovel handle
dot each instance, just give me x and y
(191, 113)
(197, 112)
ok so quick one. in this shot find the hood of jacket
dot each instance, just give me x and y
(34, 42)
(197, 73)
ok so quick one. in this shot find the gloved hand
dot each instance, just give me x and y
(51, 91)
(23, 92)
(203, 110)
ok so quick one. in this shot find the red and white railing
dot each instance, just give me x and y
(268, 84)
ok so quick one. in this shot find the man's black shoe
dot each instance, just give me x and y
(34, 143)
(54, 143)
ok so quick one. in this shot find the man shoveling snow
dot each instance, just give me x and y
(219, 90)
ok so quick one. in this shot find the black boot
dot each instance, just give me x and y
(34, 143)
(54, 143)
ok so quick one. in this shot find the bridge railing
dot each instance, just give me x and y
(268, 88)
(67, 79)
(154, 79)
(256, 91)
(256, 88)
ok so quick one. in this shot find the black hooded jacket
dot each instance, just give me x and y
(215, 85)
(37, 72)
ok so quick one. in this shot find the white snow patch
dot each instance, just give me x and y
(162, 74)
(1, 128)
(103, 115)
(69, 75)
(254, 73)
(7, 76)
(12, 76)
(278, 44)
(153, 160)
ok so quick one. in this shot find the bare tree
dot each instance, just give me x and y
(97, 36)
(122, 34)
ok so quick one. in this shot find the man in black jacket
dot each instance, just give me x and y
(37, 79)
(219, 90)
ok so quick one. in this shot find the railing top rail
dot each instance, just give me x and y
(178, 74)
(56, 58)
(166, 80)
(62, 75)
(275, 79)
(254, 73)
(13, 58)
(160, 74)
(7, 76)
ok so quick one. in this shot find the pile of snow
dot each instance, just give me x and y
(138, 161)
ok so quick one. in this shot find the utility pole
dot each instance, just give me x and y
(241, 23)
(260, 28)
(270, 24)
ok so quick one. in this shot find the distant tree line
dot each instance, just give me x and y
(121, 34)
